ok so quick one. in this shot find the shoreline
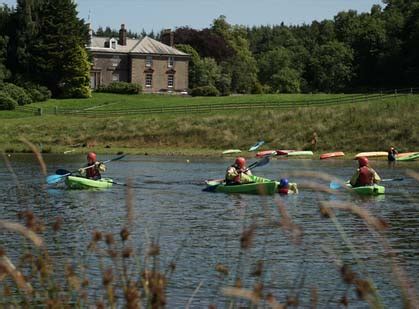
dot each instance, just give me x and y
(168, 152)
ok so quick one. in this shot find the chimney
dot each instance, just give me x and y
(172, 38)
(122, 36)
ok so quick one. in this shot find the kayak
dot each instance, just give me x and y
(74, 182)
(368, 190)
(411, 157)
(405, 154)
(331, 155)
(300, 153)
(283, 152)
(261, 186)
(229, 151)
(256, 146)
(265, 153)
(372, 154)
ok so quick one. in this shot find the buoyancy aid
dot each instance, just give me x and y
(93, 173)
(283, 190)
(366, 176)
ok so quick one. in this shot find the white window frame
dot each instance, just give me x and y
(115, 77)
(148, 61)
(170, 81)
(148, 80)
(170, 62)
(112, 43)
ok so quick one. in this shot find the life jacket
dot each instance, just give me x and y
(93, 173)
(391, 155)
(366, 176)
(282, 190)
(230, 171)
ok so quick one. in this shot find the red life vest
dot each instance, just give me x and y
(282, 190)
(93, 173)
(366, 177)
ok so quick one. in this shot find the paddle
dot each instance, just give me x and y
(215, 182)
(61, 173)
(256, 146)
(336, 185)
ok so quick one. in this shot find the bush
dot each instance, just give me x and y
(121, 88)
(6, 102)
(16, 93)
(205, 91)
(38, 93)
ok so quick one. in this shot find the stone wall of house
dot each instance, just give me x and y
(160, 71)
(111, 67)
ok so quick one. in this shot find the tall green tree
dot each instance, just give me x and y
(5, 14)
(49, 48)
(331, 67)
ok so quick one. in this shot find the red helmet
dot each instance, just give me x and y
(240, 162)
(363, 161)
(91, 156)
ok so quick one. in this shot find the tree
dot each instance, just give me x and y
(276, 70)
(5, 14)
(331, 67)
(56, 48)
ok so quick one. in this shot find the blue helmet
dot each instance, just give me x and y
(283, 183)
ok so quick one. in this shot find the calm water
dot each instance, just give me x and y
(199, 229)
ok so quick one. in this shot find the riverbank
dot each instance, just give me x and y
(349, 127)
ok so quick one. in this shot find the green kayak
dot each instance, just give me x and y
(261, 186)
(368, 190)
(409, 158)
(74, 182)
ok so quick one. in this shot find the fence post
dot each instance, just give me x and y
(40, 112)
(56, 110)
(411, 90)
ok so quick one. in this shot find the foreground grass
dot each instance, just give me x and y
(351, 127)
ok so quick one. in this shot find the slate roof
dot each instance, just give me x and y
(145, 45)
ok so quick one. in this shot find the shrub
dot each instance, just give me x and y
(38, 93)
(205, 91)
(121, 88)
(6, 102)
(16, 93)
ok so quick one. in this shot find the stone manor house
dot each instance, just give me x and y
(157, 67)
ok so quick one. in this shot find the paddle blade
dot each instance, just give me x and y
(262, 162)
(335, 185)
(61, 171)
(54, 179)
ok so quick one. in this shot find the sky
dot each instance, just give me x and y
(162, 14)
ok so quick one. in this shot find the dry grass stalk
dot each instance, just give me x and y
(316, 187)
(376, 223)
(37, 154)
(193, 295)
(242, 293)
(287, 224)
(11, 171)
(271, 301)
(129, 202)
(413, 174)
(7, 267)
(19, 228)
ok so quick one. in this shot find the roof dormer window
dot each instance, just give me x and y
(112, 43)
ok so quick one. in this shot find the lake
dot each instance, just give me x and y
(196, 231)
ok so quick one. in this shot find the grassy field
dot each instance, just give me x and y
(365, 126)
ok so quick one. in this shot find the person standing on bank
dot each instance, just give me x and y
(391, 156)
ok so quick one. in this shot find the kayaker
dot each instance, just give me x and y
(238, 173)
(364, 175)
(94, 171)
(286, 187)
(392, 154)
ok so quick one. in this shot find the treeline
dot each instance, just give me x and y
(352, 52)
(42, 52)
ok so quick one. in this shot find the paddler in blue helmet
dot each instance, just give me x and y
(364, 175)
(238, 173)
(95, 169)
(286, 187)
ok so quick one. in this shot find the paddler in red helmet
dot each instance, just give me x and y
(96, 167)
(238, 173)
(364, 175)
